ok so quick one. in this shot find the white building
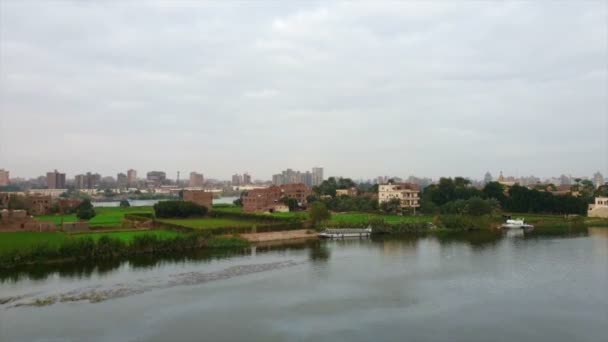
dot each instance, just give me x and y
(599, 209)
(408, 194)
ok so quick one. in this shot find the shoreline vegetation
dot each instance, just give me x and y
(112, 235)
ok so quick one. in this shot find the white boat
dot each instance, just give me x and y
(516, 224)
(345, 233)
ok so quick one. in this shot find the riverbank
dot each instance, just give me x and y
(301, 234)
(26, 248)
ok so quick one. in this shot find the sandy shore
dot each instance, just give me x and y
(283, 235)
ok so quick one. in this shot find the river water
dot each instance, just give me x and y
(474, 287)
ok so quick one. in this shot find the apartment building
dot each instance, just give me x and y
(408, 194)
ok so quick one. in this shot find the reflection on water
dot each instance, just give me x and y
(471, 286)
(318, 251)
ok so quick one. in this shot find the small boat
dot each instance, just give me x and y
(516, 224)
(345, 233)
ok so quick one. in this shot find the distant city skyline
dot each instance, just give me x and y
(187, 176)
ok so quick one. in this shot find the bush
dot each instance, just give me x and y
(319, 213)
(171, 209)
(124, 204)
(85, 210)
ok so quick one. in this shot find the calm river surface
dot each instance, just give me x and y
(477, 287)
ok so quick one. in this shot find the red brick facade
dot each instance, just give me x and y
(261, 200)
(199, 197)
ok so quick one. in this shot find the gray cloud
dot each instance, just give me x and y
(362, 88)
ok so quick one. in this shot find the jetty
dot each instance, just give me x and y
(341, 233)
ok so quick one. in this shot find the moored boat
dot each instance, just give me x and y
(516, 224)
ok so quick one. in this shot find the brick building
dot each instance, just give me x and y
(19, 220)
(298, 191)
(199, 197)
(4, 177)
(38, 204)
(263, 200)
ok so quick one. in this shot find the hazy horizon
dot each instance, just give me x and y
(361, 89)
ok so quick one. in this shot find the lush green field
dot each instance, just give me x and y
(106, 217)
(359, 218)
(25, 240)
(209, 223)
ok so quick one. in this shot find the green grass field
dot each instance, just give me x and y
(106, 217)
(209, 223)
(25, 240)
(360, 218)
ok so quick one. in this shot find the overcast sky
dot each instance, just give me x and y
(433, 88)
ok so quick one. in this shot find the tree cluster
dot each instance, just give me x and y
(347, 203)
(85, 210)
(522, 199)
(171, 209)
(457, 196)
(319, 213)
(330, 185)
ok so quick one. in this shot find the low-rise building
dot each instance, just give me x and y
(200, 197)
(19, 220)
(351, 192)
(297, 191)
(268, 199)
(261, 200)
(599, 209)
(39, 204)
(408, 194)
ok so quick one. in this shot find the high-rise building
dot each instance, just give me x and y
(196, 180)
(79, 181)
(132, 177)
(598, 179)
(122, 181)
(4, 177)
(55, 180)
(88, 181)
(246, 178)
(317, 176)
(237, 179)
(156, 178)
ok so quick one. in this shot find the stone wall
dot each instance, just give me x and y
(18, 220)
(76, 227)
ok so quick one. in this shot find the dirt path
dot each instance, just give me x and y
(282, 235)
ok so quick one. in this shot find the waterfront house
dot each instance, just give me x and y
(599, 209)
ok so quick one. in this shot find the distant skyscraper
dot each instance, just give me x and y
(237, 179)
(487, 178)
(598, 179)
(132, 177)
(156, 178)
(4, 177)
(79, 181)
(246, 178)
(196, 180)
(122, 181)
(88, 181)
(55, 180)
(317, 176)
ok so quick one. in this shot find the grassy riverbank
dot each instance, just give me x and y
(18, 248)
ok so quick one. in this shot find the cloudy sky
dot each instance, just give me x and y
(363, 89)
